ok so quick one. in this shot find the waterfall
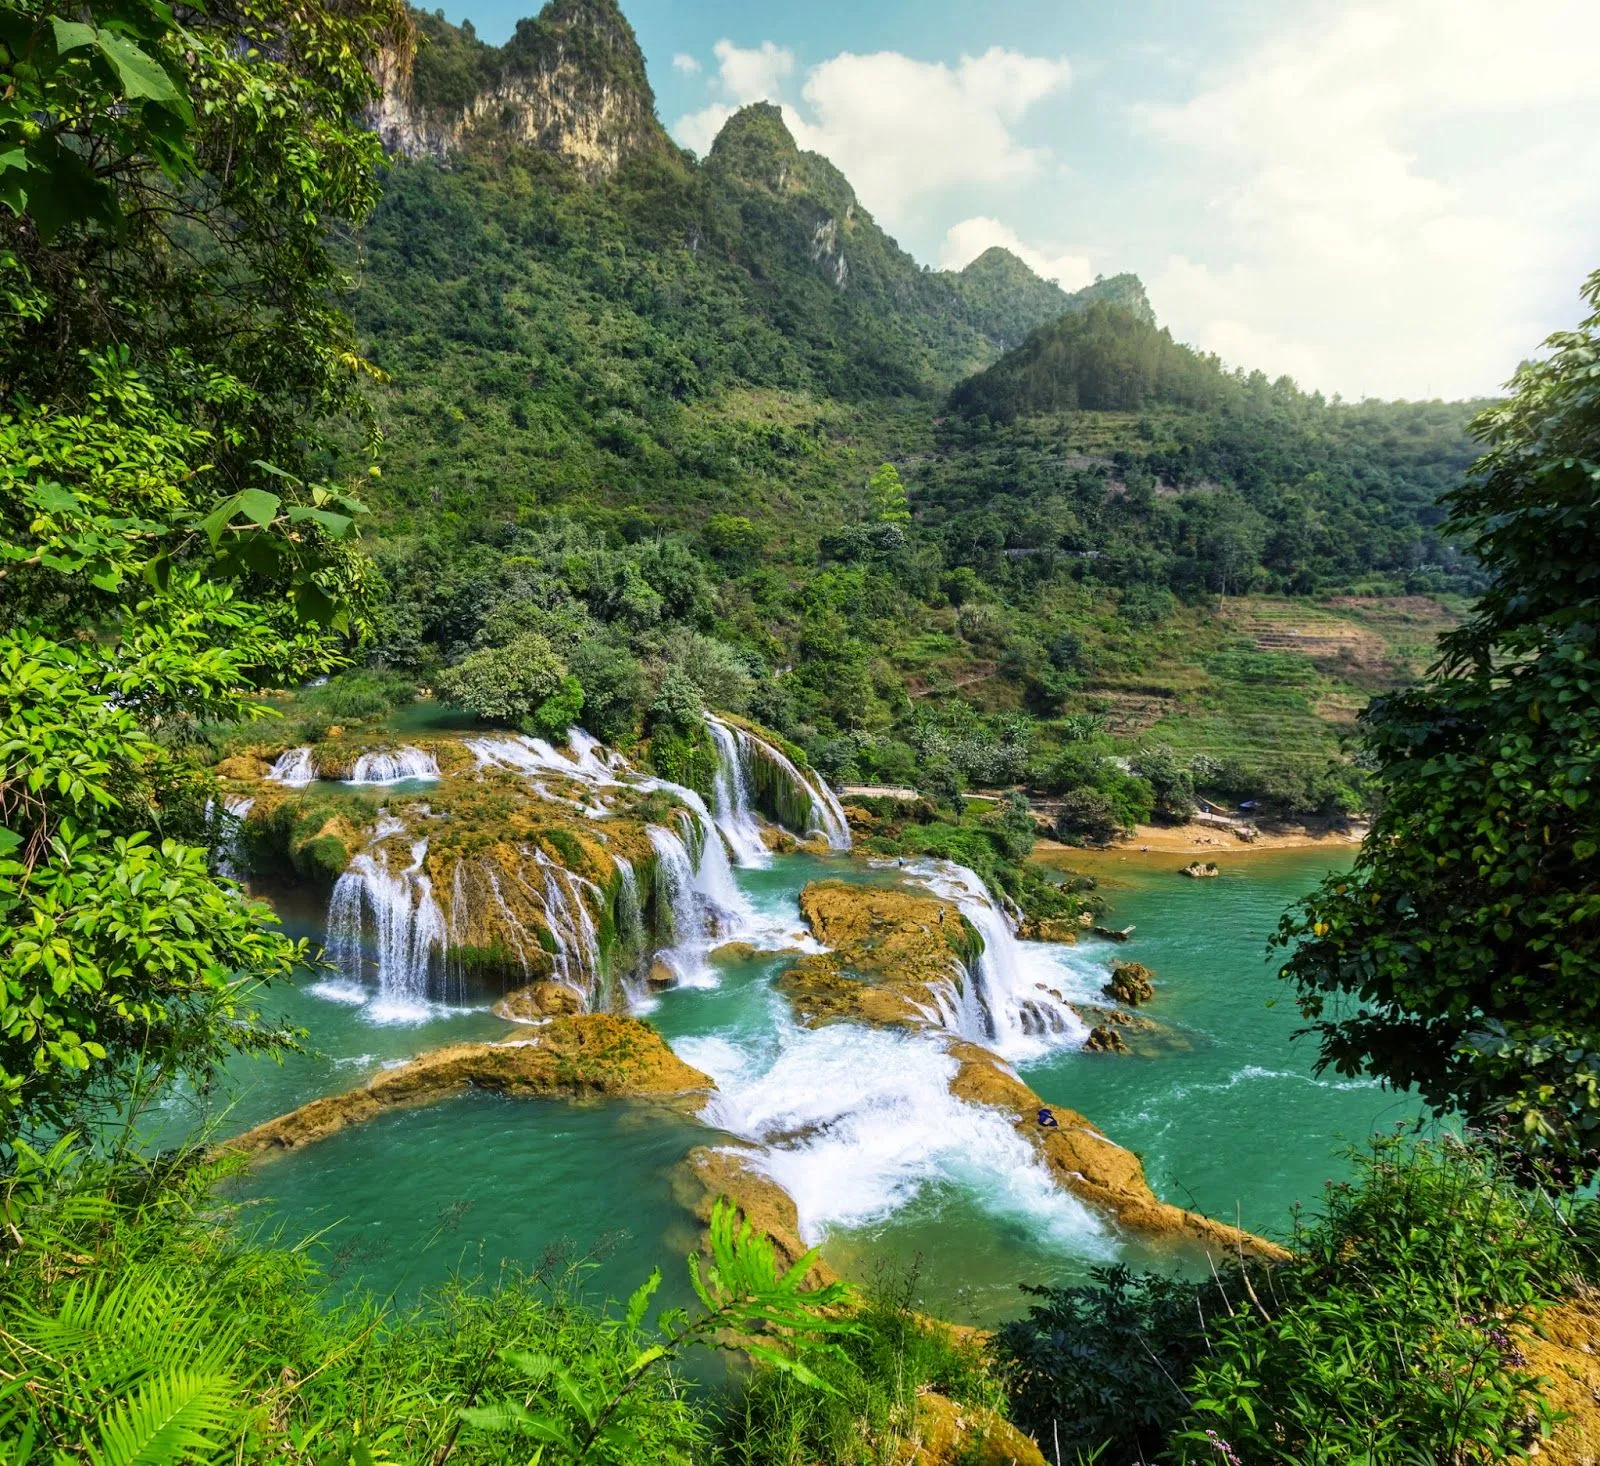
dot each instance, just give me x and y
(1015, 999)
(577, 954)
(731, 788)
(226, 856)
(407, 930)
(392, 766)
(632, 939)
(294, 768)
(805, 804)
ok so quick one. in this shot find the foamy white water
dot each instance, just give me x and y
(393, 766)
(1017, 1002)
(294, 768)
(735, 817)
(855, 1122)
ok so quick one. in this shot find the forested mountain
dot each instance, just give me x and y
(601, 347)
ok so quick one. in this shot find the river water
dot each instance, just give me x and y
(887, 1170)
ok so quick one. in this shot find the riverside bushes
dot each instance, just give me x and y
(1389, 1336)
(142, 1326)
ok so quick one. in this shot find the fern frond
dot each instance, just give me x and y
(172, 1417)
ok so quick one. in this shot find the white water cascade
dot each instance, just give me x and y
(394, 765)
(1018, 1000)
(737, 748)
(632, 938)
(854, 1122)
(731, 786)
(398, 912)
(226, 855)
(577, 954)
(296, 768)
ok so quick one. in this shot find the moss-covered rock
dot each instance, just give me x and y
(1085, 1162)
(1130, 984)
(592, 1054)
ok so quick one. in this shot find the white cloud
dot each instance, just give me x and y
(743, 76)
(754, 75)
(1353, 233)
(901, 130)
(965, 241)
(685, 63)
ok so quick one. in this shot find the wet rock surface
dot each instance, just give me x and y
(1088, 1164)
(592, 1055)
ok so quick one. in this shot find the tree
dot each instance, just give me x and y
(1462, 954)
(505, 684)
(169, 351)
(886, 497)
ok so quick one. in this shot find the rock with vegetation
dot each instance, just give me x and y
(572, 1057)
(1130, 984)
(1105, 1039)
(1201, 870)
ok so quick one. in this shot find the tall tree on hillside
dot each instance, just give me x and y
(1462, 954)
(170, 347)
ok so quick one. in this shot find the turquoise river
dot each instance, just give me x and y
(1223, 1108)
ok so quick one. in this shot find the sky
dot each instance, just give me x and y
(1386, 198)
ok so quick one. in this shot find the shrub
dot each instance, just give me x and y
(504, 684)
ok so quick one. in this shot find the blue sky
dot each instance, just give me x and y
(1394, 199)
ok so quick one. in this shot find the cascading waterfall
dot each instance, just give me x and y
(577, 954)
(683, 914)
(632, 939)
(1016, 996)
(698, 901)
(738, 753)
(296, 768)
(227, 858)
(408, 934)
(394, 765)
(731, 787)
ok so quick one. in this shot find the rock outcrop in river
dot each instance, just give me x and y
(584, 1056)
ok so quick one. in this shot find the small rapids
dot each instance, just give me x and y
(855, 1122)
(296, 768)
(1018, 1001)
(394, 766)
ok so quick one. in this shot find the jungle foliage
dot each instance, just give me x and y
(1460, 956)
(170, 354)
(1391, 1334)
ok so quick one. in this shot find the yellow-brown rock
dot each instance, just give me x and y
(710, 1172)
(951, 1434)
(1130, 984)
(1050, 929)
(910, 935)
(244, 767)
(820, 991)
(589, 1055)
(1085, 1162)
(1104, 1040)
(539, 1000)
(1562, 1347)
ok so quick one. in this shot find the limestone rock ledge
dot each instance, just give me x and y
(1084, 1162)
(577, 1056)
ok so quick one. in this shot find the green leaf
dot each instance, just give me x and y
(70, 34)
(54, 499)
(640, 1301)
(140, 76)
(259, 507)
(335, 524)
(9, 840)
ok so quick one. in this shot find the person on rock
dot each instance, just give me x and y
(1047, 1119)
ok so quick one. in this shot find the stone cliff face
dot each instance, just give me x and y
(570, 82)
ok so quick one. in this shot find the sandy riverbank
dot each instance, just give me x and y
(1208, 840)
